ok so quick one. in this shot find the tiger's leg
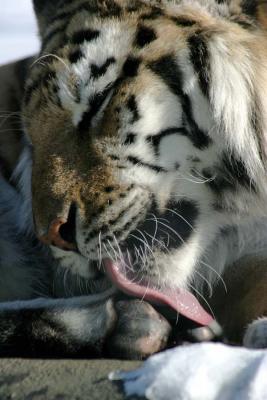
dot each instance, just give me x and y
(139, 332)
(82, 327)
(242, 311)
(56, 327)
(256, 334)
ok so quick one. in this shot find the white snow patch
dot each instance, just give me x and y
(200, 372)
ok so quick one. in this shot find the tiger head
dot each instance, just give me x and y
(147, 120)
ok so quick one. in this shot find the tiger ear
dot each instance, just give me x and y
(44, 11)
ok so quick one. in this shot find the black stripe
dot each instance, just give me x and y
(114, 221)
(109, 189)
(112, 10)
(56, 31)
(133, 108)
(200, 59)
(229, 175)
(47, 78)
(98, 210)
(156, 139)
(137, 162)
(131, 66)
(101, 209)
(43, 80)
(129, 226)
(84, 36)
(168, 70)
(182, 21)
(46, 7)
(154, 14)
(130, 138)
(245, 23)
(95, 104)
(144, 36)
(114, 157)
(235, 168)
(107, 227)
(97, 71)
(29, 91)
(75, 56)
(86, 6)
(133, 8)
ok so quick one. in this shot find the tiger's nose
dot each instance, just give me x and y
(61, 232)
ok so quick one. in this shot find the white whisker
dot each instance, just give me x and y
(173, 231)
(108, 253)
(99, 251)
(180, 216)
(113, 249)
(216, 273)
(203, 298)
(43, 57)
(207, 282)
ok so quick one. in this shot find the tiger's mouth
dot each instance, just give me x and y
(166, 233)
(128, 281)
(181, 300)
(123, 271)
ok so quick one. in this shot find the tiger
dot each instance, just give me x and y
(133, 166)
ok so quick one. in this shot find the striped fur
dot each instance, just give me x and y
(149, 118)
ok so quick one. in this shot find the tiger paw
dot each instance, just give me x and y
(140, 331)
(256, 334)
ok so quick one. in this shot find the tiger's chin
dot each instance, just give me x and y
(76, 275)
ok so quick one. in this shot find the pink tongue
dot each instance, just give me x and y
(182, 301)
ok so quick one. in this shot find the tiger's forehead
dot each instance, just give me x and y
(85, 55)
(115, 55)
(92, 48)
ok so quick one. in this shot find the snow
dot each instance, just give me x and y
(18, 30)
(200, 372)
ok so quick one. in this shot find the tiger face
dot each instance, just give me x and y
(147, 123)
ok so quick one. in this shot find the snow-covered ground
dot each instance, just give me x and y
(207, 371)
(18, 31)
